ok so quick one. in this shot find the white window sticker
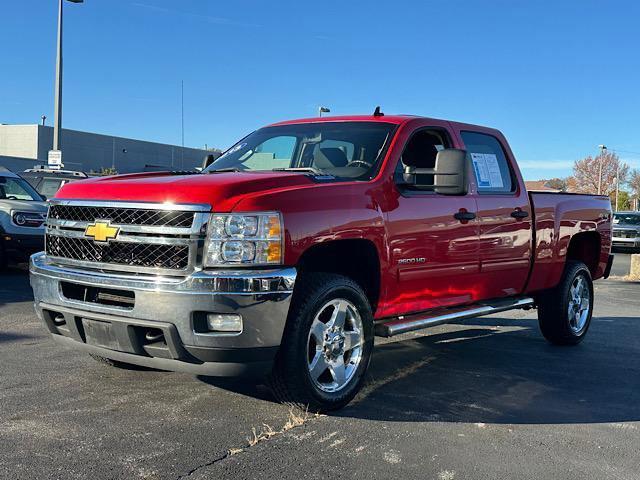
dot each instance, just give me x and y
(487, 170)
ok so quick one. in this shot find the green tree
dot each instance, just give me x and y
(624, 200)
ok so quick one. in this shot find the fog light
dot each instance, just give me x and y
(223, 322)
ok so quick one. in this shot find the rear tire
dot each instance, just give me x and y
(326, 346)
(564, 312)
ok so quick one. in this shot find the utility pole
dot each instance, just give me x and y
(603, 149)
(182, 103)
(55, 156)
(617, 184)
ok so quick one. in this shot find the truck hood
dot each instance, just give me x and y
(22, 206)
(219, 190)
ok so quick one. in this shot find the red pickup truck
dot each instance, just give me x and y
(303, 241)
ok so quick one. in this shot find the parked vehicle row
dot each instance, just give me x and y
(48, 181)
(626, 230)
(22, 215)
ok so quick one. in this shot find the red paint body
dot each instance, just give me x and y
(490, 257)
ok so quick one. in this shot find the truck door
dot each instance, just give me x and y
(504, 213)
(433, 238)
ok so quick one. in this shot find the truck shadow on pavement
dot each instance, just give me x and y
(14, 286)
(499, 371)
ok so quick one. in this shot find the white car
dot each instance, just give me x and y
(23, 212)
(626, 230)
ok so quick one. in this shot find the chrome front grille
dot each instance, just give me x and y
(119, 253)
(159, 239)
(625, 233)
(123, 216)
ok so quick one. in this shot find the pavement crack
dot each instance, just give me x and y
(266, 432)
(204, 465)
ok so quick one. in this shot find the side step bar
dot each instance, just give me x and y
(389, 328)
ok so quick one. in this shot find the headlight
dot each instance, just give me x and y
(28, 219)
(247, 239)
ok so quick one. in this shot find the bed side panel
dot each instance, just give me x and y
(558, 217)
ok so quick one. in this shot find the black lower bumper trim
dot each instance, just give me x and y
(233, 355)
(211, 369)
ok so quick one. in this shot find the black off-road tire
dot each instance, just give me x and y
(553, 307)
(290, 380)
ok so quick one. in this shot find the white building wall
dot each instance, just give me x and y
(93, 152)
(19, 141)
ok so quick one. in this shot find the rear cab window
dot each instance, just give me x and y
(490, 164)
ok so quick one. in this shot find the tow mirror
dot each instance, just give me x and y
(449, 177)
(208, 160)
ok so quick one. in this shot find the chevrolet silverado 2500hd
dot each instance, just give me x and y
(301, 242)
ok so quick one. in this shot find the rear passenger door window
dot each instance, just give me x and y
(490, 164)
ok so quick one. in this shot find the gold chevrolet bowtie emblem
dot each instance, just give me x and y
(101, 231)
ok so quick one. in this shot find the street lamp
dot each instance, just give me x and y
(322, 110)
(55, 153)
(603, 149)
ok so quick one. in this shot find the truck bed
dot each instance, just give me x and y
(559, 218)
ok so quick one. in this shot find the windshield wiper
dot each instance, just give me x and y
(313, 170)
(228, 169)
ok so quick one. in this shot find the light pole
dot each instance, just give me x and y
(57, 106)
(617, 184)
(603, 149)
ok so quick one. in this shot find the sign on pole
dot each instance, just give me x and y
(54, 159)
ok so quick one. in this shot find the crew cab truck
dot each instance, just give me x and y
(303, 241)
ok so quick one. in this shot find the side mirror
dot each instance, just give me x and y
(449, 177)
(44, 197)
(208, 160)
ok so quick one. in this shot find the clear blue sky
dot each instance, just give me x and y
(557, 77)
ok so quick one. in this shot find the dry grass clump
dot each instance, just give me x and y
(266, 432)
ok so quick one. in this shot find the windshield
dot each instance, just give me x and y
(17, 189)
(626, 218)
(349, 150)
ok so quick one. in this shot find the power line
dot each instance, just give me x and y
(628, 152)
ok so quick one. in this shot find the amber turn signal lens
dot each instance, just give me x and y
(274, 252)
(273, 227)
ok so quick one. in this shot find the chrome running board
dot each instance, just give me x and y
(389, 328)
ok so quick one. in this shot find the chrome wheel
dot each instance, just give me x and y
(579, 304)
(334, 345)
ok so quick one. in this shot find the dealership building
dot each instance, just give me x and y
(25, 146)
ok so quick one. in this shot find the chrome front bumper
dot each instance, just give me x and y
(171, 306)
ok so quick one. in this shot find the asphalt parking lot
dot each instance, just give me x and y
(481, 400)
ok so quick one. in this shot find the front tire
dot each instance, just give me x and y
(564, 312)
(326, 346)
